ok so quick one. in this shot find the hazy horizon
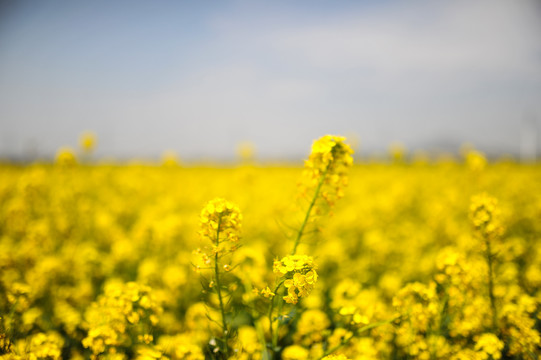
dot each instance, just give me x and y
(199, 78)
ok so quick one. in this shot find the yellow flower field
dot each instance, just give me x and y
(337, 260)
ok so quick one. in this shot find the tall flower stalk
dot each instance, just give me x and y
(324, 179)
(220, 223)
(484, 214)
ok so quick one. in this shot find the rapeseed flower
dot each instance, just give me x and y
(299, 274)
(335, 357)
(295, 352)
(72, 239)
(66, 157)
(490, 346)
(485, 216)
(87, 141)
(327, 167)
(221, 223)
(475, 160)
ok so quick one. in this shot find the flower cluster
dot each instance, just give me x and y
(299, 272)
(66, 157)
(485, 216)
(461, 280)
(39, 346)
(417, 304)
(73, 237)
(519, 325)
(329, 153)
(435, 319)
(221, 222)
(328, 164)
(121, 309)
(490, 345)
(475, 160)
(335, 357)
(181, 347)
(311, 327)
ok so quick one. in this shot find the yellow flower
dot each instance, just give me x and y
(46, 346)
(267, 292)
(295, 352)
(490, 345)
(485, 216)
(475, 160)
(327, 168)
(87, 141)
(120, 308)
(329, 153)
(66, 157)
(303, 263)
(148, 353)
(247, 345)
(311, 327)
(181, 346)
(335, 357)
(221, 221)
(311, 277)
(300, 276)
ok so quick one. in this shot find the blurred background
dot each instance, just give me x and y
(201, 78)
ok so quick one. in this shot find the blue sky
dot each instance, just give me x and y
(200, 77)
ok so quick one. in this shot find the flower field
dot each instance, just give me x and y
(337, 259)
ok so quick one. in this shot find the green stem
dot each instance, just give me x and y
(271, 309)
(219, 291)
(310, 207)
(491, 287)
